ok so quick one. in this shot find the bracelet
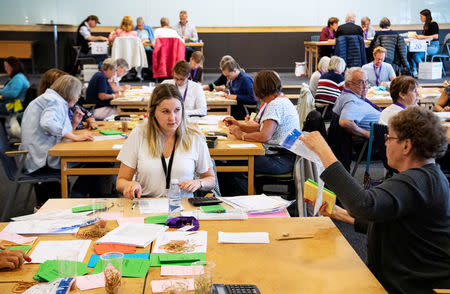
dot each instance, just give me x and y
(201, 184)
(243, 137)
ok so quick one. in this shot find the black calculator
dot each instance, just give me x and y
(234, 289)
(201, 201)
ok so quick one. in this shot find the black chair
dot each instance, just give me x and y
(342, 144)
(80, 60)
(14, 172)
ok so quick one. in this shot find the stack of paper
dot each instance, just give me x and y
(48, 271)
(153, 205)
(95, 257)
(257, 203)
(257, 237)
(229, 214)
(181, 270)
(198, 239)
(13, 239)
(47, 250)
(90, 281)
(139, 235)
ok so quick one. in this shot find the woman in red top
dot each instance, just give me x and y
(327, 34)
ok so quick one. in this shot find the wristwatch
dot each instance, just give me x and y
(243, 137)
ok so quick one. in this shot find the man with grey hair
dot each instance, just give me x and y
(354, 110)
(349, 27)
(187, 32)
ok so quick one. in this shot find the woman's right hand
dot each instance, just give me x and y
(132, 188)
(220, 88)
(12, 259)
(229, 121)
(85, 136)
(338, 213)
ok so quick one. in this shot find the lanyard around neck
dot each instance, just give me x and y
(168, 170)
(400, 105)
(377, 75)
(185, 90)
(195, 73)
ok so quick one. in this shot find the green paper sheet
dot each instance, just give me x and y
(213, 208)
(156, 259)
(23, 248)
(89, 207)
(131, 267)
(158, 219)
(110, 132)
(48, 271)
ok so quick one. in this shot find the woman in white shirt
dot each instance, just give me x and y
(322, 68)
(403, 90)
(164, 148)
(191, 92)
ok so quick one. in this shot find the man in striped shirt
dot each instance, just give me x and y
(331, 83)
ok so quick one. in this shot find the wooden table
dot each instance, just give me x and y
(325, 263)
(312, 48)
(427, 97)
(19, 49)
(102, 151)
(218, 105)
(201, 45)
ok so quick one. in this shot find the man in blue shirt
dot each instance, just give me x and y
(379, 72)
(240, 86)
(354, 110)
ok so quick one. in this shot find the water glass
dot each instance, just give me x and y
(203, 281)
(111, 263)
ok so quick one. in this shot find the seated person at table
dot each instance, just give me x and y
(13, 93)
(354, 110)
(328, 34)
(12, 259)
(278, 118)
(385, 29)
(77, 111)
(443, 104)
(430, 31)
(145, 33)
(99, 91)
(331, 83)
(219, 84)
(187, 32)
(322, 68)
(165, 31)
(240, 86)
(165, 140)
(349, 28)
(404, 94)
(84, 36)
(379, 73)
(407, 217)
(196, 63)
(368, 30)
(121, 70)
(125, 30)
(194, 100)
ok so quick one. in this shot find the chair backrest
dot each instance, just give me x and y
(340, 142)
(378, 146)
(351, 48)
(315, 38)
(131, 49)
(8, 163)
(305, 103)
(166, 52)
(314, 122)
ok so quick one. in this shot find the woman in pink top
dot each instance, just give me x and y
(125, 30)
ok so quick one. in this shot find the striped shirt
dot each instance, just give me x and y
(329, 87)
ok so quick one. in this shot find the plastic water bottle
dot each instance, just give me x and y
(174, 195)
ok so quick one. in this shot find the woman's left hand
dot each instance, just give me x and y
(190, 185)
(236, 131)
(77, 116)
(230, 96)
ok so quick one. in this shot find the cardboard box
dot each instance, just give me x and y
(88, 71)
(430, 70)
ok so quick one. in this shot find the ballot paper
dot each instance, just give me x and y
(196, 238)
(158, 286)
(110, 137)
(181, 270)
(139, 235)
(47, 250)
(443, 116)
(45, 227)
(154, 205)
(229, 214)
(56, 214)
(117, 146)
(242, 145)
(257, 203)
(9, 238)
(88, 282)
(254, 237)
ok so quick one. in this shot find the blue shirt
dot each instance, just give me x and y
(151, 35)
(242, 87)
(16, 88)
(385, 73)
(44, 124)
(98, 84)
(350, 106)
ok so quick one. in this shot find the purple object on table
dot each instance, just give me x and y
(181, 221)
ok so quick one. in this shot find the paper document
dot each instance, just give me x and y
(136, 220)
(443, 116)
(90, 281)
(110, 137)
(9, 238)
(117, 146)
(257, 203)
(159, 286)
(229, 214)
(195, 241)
(44, 227)
(257, 237)
(154, 205)
(48, 250)
(139, 235)
(241, 145)
(181, 270)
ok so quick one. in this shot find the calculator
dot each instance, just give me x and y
(234, 289)
(201, 201)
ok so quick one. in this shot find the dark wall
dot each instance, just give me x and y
(254, 51)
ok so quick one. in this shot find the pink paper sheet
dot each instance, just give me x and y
(158, 286)
(90, 281)
(125, 220)
(15, 238)
(181, 270)
(111, 215)
(279, 213)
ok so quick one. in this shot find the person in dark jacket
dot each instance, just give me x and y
(351, 49)
(219, 84)
(407, 217)
(349, 28)
(84, 36)
(328, 33)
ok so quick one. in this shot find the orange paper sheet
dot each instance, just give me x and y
(104, 248)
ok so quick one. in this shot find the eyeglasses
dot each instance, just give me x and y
(361, 82)
(387, 138)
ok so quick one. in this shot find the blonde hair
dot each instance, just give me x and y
(127, 24)
(336, 64)
(324, 62)
(68, 87)
(198, 57)
(108, 63)
(164, 21)
(185, 133)
(48, 78)
(379, 49)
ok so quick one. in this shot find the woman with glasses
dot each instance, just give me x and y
(121, 70)
(407, 217)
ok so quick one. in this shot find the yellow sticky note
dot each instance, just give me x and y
(310, 193)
